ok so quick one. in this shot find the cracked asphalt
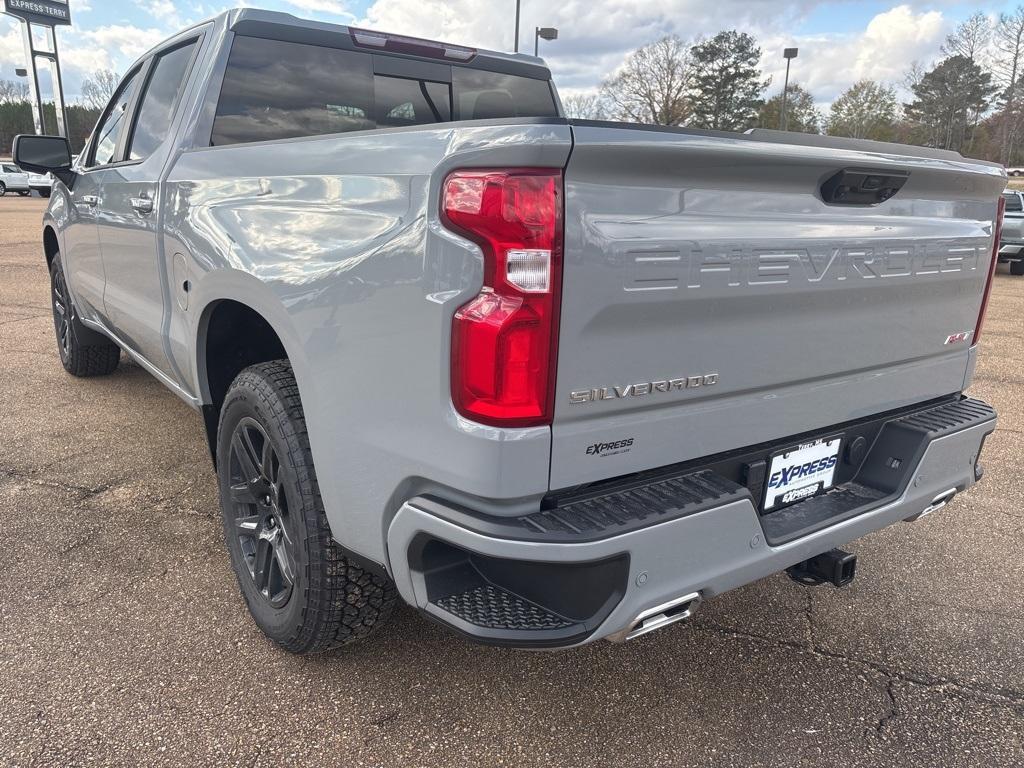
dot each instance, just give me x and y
(123, 640)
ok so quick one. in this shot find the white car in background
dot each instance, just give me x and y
(41, 183)
(13, 179)
(1015, 171)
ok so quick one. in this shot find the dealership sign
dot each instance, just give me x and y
(48, 12)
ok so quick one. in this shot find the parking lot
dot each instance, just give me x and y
(123, 640)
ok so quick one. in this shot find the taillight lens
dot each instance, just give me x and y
(504, 341)
(996, 232)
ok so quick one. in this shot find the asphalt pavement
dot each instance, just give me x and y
(123, 640)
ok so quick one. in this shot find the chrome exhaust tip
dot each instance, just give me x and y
(658, 617)
(938, 503)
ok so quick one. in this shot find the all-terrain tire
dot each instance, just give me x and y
(275, 525)
(1017, 267)
(83, 351)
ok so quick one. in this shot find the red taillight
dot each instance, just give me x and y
(996, 232)
(504, 341)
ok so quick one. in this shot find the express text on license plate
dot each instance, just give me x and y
(802, 471)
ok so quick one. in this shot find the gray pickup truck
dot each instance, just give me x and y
(560, 380)
(1011, 240)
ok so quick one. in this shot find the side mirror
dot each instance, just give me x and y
(44, 154)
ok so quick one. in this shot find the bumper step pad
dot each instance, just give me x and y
(487, 605)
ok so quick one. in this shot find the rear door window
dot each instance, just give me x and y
(165, 86)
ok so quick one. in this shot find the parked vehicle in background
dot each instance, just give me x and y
(547, 380)
(41, 183)
(13, 179)
(1011, 241)
(1015, 171)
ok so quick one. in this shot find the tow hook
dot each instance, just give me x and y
(835, 567)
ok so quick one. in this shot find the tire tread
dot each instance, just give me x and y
(343, 603)
(85, 360)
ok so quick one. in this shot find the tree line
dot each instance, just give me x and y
(16, 110)
(971, 99)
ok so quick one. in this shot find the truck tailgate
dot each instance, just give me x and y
(712, 300)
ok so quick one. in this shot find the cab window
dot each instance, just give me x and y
(109, 128)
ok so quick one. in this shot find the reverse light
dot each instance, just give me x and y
(504, 341)
(997, 230)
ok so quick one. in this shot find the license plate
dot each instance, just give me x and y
(802, 471)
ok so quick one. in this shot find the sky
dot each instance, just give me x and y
(840, 41)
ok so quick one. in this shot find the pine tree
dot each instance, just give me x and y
(946, 100)
(727, 85)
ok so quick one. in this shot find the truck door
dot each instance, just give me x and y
(136, 297)
(81, 253)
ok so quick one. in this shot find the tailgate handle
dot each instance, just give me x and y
(862, 186)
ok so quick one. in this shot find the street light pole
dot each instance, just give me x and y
(548, 33)
(788, 54)
(516, 48)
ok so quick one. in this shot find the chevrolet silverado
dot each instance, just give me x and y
(545, 380)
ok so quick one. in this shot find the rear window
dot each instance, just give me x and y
(483, 95)
(1013, 202)
(279, 90)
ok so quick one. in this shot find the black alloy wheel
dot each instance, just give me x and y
(61, 314)
(261, 510)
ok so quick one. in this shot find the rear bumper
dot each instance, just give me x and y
(515, 583)
(1011, 251)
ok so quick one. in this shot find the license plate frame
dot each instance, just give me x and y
(809, 481)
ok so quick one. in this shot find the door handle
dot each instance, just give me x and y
(90, 200)
(142, 205)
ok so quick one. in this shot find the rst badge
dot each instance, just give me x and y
(958, 338)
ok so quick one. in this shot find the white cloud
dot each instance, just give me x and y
(115, 43)
(884, 51)
(82, 52)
